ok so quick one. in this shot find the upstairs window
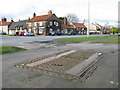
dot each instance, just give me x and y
(41, 23)
(56, 23)
(37, 24)
(30, 24)
(51, 23)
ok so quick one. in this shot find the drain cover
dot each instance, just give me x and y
(69, 64)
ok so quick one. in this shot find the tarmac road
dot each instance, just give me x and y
(13, 40)
(105, 76)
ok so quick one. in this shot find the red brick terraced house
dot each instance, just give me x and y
(80, 28)
(99, 28)
(44, 24)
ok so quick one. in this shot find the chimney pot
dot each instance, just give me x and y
(34, 14)
(50, 12)
(12, 20)
(4, 19)
(28, 18)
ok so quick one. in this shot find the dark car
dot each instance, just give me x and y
(16, 33)
(3, 33)
(56, 33)
(73, 33)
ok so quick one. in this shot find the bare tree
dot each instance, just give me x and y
(72, 18)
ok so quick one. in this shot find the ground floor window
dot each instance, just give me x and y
(58, 30)
(41, 31)
(51, 30)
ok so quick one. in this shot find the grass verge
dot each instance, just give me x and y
(10, 35)
(83, 39)
(10, 49)
(109, 40)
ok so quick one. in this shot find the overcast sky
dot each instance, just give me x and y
(101, 11)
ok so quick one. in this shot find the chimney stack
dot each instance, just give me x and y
(4, 19)
(34, 14)
(12, 20)
(65, 21)
(50, 12)
(28, 18)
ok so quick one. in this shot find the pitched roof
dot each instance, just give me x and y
(4, 23)
(18, 24)
(40, 18)
(79, 25)
(67, 26)
(97, 25)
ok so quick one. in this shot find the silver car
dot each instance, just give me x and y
(28, 34)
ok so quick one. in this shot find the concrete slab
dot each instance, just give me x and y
(84, 64)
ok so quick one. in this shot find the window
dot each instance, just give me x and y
(56, 23)
(41, 23)
(30, 24)
(51, 30)
(37, 24)
(58, 30)
(51, 24)
(20, 28)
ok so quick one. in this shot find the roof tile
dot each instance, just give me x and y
(67, 26)
(79, 25)
(4, 23)
(40, 18)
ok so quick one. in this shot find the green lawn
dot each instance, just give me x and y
(109, 40)
(10, 49)
(82, 39)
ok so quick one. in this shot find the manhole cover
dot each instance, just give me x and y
(69, 64)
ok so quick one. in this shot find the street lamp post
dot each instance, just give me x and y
(2, 25)
(88, 18)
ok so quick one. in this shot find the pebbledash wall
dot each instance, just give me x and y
(4, 29)
(4, 25)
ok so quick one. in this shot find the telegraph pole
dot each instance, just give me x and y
(88, 18)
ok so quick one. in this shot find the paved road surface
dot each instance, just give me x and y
(106, 76)
(12, 40)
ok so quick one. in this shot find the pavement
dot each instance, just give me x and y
(105, 76)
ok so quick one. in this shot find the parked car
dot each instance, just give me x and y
(118, 34)
(16, 33)
(21, 34)
(56, 33)
(3, 33)
(29, 34)
(72, 33)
